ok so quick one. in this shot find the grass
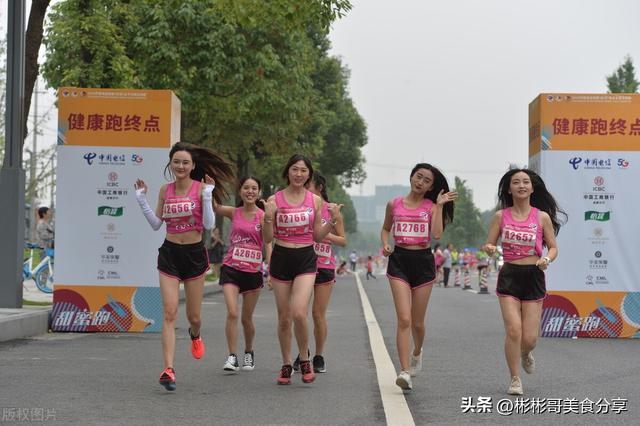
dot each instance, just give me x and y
(32, 303)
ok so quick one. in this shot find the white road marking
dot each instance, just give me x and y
(394, 403)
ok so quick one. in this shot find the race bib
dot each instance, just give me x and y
(180, 207)
(245, 254)
(411, 229)
(519, 237)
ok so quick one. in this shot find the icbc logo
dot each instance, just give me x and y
(113, 176)
(599, 181)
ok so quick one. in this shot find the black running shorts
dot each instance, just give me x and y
(183, 261)
(288, 263)
(325, 276)
(523, 282)
(416, 268)
(245, 281)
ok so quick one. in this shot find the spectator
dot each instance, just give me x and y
(370, 268)
(353, 259)
(447, 263)
(44, 230)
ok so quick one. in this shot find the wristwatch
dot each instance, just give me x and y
(333, 222)
(547, 259)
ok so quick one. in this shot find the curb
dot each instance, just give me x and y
(33, 321)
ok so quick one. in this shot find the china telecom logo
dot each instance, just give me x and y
(89, 157)
(575, 161)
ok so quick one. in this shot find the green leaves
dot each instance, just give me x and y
(623, 80)
(254, 77)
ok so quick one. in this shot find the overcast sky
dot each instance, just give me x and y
(449, 82)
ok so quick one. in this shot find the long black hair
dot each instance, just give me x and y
(206, 162)
(293, 160)
(439, 184)
(540, 199)
(259, 202)
(320, 182)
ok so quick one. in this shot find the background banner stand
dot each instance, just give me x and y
(587, 149)
(105, 275)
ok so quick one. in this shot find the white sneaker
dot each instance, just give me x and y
(416, 364)
(231, 364)
(248, 362)
(528, 363)
(404, 381)
(515, 388)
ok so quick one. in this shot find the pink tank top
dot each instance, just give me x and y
(326, 258)
(294, 224)
(182, 213)
(520, 239)
(245, 250)
(412, 226)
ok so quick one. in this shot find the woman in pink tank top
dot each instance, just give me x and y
(527, 221)
(241, 272)
(325, 277)
(293, 221)
(185, 205)
(413, 220)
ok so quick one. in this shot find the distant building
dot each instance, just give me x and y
(370, 208)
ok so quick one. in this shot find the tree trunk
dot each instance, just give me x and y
(33, 40)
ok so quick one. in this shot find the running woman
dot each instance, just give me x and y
(527, 222)
(241, 269)
(413, 220)
(293, 218)
(185, 205)
(325, 277)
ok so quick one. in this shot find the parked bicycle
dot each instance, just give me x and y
(42, 274)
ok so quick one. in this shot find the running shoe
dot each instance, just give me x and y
(404, 381)
(319, 365)
(296, 363)
(168, 379)
(248, 363)
(515, 388)
(231, 364)
(308, 375)
(528, 363)
(416, 364)
(284, 378)
(197, 346)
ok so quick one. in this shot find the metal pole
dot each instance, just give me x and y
(12, 176)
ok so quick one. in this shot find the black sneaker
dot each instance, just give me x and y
(318, 364)
(248, 363)
(296, 363)
(231, 364)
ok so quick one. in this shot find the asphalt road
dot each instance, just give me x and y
(112, 378)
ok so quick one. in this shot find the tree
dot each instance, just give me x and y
(33, 40)
(243, 69)
(466, 229)
(623, 80)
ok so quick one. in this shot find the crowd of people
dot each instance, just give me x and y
(288, 242)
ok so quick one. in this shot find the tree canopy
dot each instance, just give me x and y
(623, 80)
(255, 78)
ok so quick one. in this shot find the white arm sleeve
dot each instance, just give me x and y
(153, 220)
(208, 218)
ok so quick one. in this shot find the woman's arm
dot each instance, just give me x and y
(270, 210)
(550, 241)
(386, 229)
(494, 233)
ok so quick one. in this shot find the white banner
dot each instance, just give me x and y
(101, 236)
(597, 246)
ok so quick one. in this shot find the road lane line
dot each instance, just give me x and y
(394, 403)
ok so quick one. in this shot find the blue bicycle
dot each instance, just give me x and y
(42, 274)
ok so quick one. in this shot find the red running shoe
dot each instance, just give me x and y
(308, 375)
(197, 346)
(168, 379)
(285, 375)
